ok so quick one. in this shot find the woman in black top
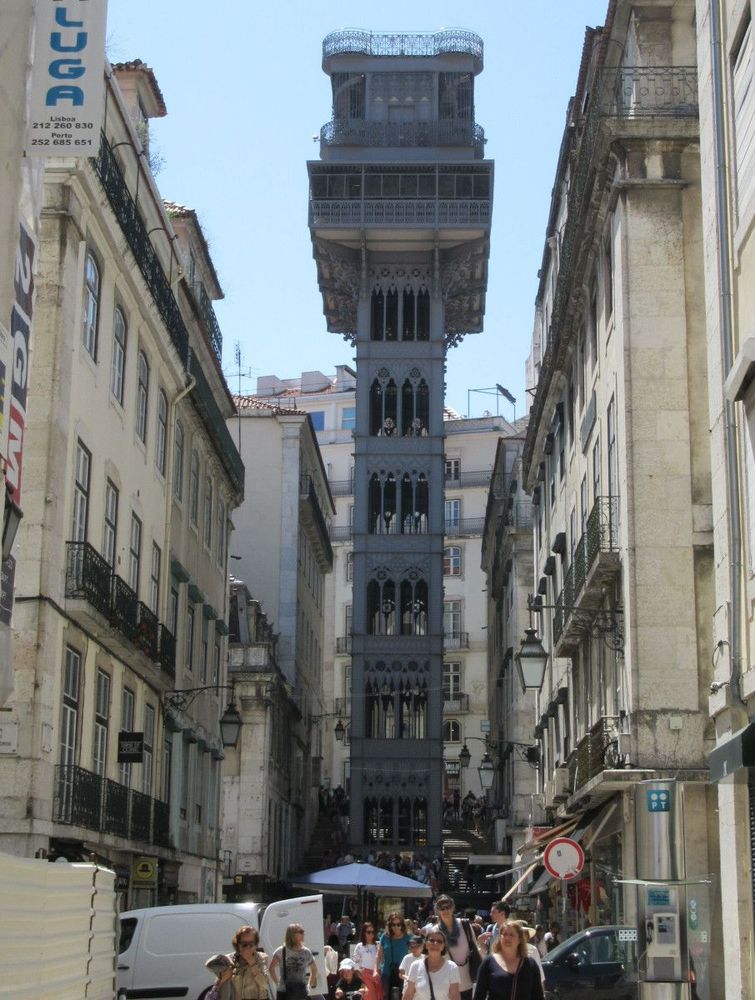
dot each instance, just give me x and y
(508, 973)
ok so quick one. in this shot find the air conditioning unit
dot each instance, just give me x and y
(561, 788)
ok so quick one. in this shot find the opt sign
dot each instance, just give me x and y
(564, 858)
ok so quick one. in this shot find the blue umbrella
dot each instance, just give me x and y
(359, 876)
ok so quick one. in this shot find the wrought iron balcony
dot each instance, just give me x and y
(421, 43)
(308, 495)
(464, 526)
(656, 91)
(482, 478)
(137, 236)
(209, 318)
(124, 608)
(403, 134)
(456, 640)
(597, 751)
(342, 487)
(341, 532)
(88, 576)
(167, 651)
(456, 703)
(343, 645)
(83, 798)
(147, 631)
(422, 212)
(519, 515)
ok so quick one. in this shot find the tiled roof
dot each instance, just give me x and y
(270, 405)
(135, 65)
(176, 211)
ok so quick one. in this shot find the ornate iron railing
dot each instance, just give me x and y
(403, 134)
(456, 640)
(141, 815)
(421, 43)
(656, 91)
(161, 823)
(342, 487)
(341, 532)
(167, 651)
(464, 526)
(400, 211)
(602, 531)
(473, 478)
(78, 796)
(115, 813)
(209, 318)
(88, 576)
(124, 608)
(147, 630)
(455, 702)
(137, 237)
(595, 752)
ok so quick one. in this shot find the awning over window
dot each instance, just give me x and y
(584, 832)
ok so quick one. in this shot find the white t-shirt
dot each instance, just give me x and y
(364, 956)
(535, 954)
(406, 961)
(446, 975)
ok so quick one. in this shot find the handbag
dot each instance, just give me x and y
(474, 959)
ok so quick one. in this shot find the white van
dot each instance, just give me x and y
(163, 949)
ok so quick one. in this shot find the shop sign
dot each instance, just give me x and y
(144, 872)
(659, 800)
(122, 877)
(130, 748)
(564, 858)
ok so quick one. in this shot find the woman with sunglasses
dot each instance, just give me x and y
(508, 973)
(364, 957)
(434, 977)
(242, 975)
(392, 947)
(296, 964)
(462, 943)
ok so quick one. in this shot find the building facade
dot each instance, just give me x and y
(282, 549)
(400, 208)
(617, 461)
(122, 555)
(727, 122)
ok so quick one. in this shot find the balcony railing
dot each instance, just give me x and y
(90, 578)
(472, 478)
(656, 91)
(519, 515)
(168, 651)
(456, 640)
(424, 43)
(341, 532)
(148, 627)
(400, 211)
(343, 644)
(137, 236)
(208, 316)
(308, 492)
(464, 526)
(342, 487)
(403, 134)
(83, 798)
(457, 702)
(597, 751)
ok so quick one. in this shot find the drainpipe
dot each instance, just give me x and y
(723, 225)
(169, 486)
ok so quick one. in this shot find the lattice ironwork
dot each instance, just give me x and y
(124, 608)
(147, 631)
(656, 91)
(404, 134)
(424, 43)
(78, 796)
(88, 576)
(141, 817)
(115, 814)
(167, 651)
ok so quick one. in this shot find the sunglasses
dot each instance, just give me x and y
(435, 941)
(247, 944)
(445, 906)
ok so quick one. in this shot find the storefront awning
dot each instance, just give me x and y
(585, 832)
(731, 755)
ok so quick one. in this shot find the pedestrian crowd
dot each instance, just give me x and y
(436, 955)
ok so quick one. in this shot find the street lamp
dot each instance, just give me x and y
(339, 731)
(230, 726)
(230, 721)
(531, 660)
(486, 771)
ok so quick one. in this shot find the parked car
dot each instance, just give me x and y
(163, 949)
(596, 964)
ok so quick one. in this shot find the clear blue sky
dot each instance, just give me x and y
(245, 93)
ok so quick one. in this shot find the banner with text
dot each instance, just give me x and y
(67, 78)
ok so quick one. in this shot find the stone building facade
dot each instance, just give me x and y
(617, 461)
(400, 208)
(130, 480)
(282, 551)
(726, 59)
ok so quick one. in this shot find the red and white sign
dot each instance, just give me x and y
(564, 858)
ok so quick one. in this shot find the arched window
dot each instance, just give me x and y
(452, 560)
(423, 314)
(415, 407)
(405, 822)
(91, 305)
(413, 607)
(385, 821)
(118, 364)
(412, 704)
(416, 314)
(384, 315)
(414, 504)
(451, 731)
(383, 408)
(381, 607)
(382, 510)
(142, 395)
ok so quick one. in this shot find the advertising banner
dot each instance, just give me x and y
(67, 78)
